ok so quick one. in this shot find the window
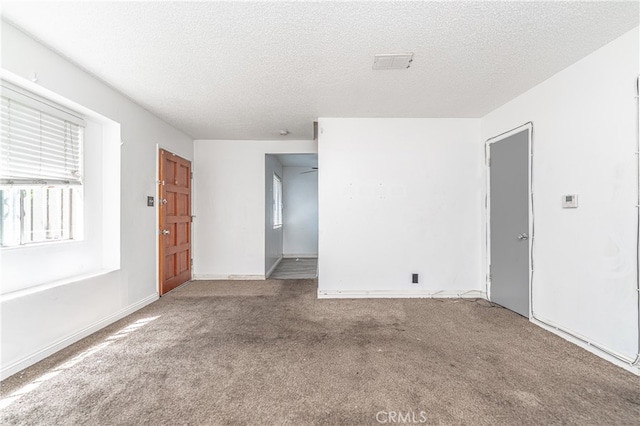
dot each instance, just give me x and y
(40, 170)
(277, 201)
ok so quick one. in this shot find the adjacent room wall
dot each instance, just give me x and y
(37, 322)
(229, 204)
(300, 212)
(584, 125)
(273, 236)
(396, 197)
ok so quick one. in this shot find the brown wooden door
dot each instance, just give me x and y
(175, 221)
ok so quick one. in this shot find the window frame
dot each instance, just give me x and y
(277, 206)
(70, 208)
(71, 223)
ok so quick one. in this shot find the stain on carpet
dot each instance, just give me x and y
(251, 352)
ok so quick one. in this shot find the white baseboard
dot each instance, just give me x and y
(569, 336)
(275, 265)
(207, 277)
(386, 294)
(29, 360)
(300, 256)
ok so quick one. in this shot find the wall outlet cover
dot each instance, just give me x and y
(570, 201)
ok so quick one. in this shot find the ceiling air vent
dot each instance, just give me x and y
(392, 61)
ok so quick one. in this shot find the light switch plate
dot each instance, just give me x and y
(150, 201)
(570, 201)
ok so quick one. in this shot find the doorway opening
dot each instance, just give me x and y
(509, 219)
(291, 216)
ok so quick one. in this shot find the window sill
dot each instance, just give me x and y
(42, 244)
(48, 286)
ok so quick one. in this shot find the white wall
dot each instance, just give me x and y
(229, 204)
(273, 236)
(300, 214)
(584, 143)
(396, 197)
(42, 319)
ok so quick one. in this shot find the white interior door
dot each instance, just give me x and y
(509, 222)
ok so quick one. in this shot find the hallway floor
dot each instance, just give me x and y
(296, 269)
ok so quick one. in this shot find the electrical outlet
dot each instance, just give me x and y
(570, 201)
(414, 278)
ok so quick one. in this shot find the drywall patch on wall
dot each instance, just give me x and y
(584, 130)
(398, 197)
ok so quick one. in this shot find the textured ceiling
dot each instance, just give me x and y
(245, 70)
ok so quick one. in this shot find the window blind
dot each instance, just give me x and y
(40, 143)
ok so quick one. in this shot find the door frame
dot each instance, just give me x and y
(156, 206)
(487, 151)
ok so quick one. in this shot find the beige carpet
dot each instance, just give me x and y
(270, 353)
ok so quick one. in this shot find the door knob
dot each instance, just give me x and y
(163, 201)
(523, 237)
(165, 232)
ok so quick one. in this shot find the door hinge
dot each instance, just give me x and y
(488, 162)
(160, 182)
(191, 175)
(191, 262)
